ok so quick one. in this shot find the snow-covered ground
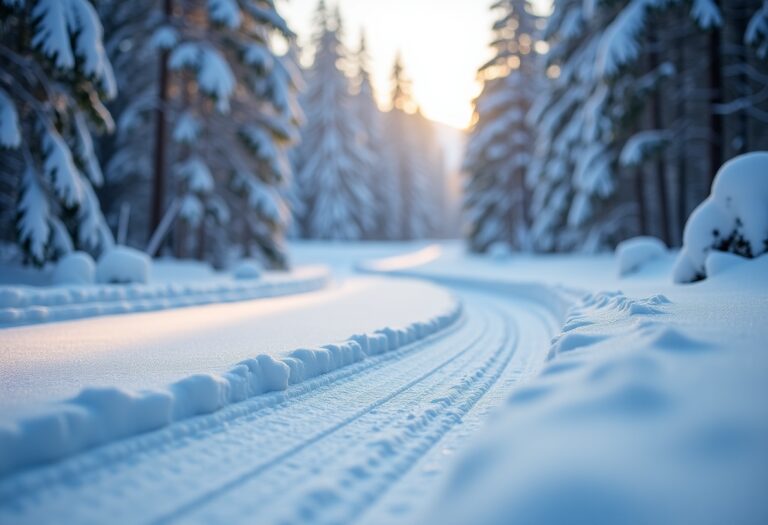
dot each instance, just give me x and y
(28, 296)
(562, 391)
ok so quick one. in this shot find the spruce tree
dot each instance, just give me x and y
(501, 142)
(413, 166)
(380, 176)
(332, 164)
(233, 114)
(54, 80)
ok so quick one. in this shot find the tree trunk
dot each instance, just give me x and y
(716, 94)
(642, 218)
(657, 124)
(160, 164)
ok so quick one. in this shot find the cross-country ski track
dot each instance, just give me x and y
(367, 443)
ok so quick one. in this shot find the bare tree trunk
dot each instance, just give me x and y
(657, 124)
(160, 164)
(716, 98)
(642, 213)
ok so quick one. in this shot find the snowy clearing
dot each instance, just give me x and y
(623, 407)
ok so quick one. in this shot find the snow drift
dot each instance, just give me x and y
(99, 415)
(633, 254)
(123, 265)
(734, 218)
(20, 305)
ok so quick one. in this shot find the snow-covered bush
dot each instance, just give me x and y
(633, 254)
(123, 265)
(74, 268)
(247, 269)
(734, 218)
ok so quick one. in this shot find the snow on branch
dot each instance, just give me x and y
(757, 31)
(642, 145)
(10, 135)
(69, 33)
(214, 75)
(225, 12)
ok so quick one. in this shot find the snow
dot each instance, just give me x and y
(733, 218)
(10, 136)
(633, 254)
(68, 30)
(643, 408)
(647, 413)
(26, 298)
(247, 269)
(225, 12)
(123, 265)
(99, 414)
(74, 268)
(214, 75)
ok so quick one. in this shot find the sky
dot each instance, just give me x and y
(443, 42)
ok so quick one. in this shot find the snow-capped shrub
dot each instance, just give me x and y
(74, 268)
(247, 269)
(719, 262)
(734, 218)
(633, 254)
(123, 265)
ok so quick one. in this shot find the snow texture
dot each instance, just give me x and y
(214, 75)
(247, 269)
(633, 254)
(69, 32)
(123, 265)
(646, 405)
(10, 136)
(21, 305)
(100, 415)
(76, 268)
(734, 218)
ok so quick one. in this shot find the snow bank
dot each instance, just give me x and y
(74, 268)
(20, 305)
(641, 416)
(734, 218)
(247, 269)
(123, 265)
(100, 415)
(633, 254)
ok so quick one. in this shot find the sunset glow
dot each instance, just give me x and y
(442, 43)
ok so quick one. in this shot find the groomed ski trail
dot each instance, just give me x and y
(367, 443)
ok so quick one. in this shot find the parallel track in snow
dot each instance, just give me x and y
(367, 443)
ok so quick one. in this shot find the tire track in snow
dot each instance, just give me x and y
(363, 463)
(368, 431)
(186, 456)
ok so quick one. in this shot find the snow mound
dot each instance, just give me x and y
(123, 265)
(632, 424)
(734, 218)
(21, 305)
(633, 254)
(247, 269)
(99, 415)
(74, 268)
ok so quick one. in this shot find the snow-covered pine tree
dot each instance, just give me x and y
(380, 176)
(126, 154)
(572, 174)
(412, 166)
(501, 143)
(233, 115)
(54, 79)
(331, 167)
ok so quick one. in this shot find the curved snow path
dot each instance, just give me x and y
(367, 443)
